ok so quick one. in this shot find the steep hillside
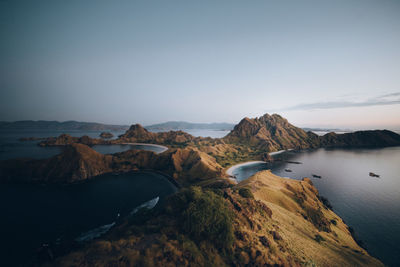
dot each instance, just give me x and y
(311, 230)
(186, 166)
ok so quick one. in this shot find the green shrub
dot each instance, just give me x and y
(246, 192)
(319, 238)
(318, 219)
(208, 218)
(326, 202)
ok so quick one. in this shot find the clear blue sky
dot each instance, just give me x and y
(318, 63)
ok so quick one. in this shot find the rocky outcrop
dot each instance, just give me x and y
(106, 135)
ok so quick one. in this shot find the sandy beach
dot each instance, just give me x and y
(234, 167)
(146, 144)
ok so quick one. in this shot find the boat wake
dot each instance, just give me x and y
(99, 231)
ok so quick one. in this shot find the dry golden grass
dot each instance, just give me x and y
(282, 197)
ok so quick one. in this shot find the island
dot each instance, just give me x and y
(106, 135)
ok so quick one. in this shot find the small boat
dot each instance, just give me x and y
(316, 176)
(374, 174)
(288, 170)
(293, 162)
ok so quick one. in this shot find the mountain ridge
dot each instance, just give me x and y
(57, 125)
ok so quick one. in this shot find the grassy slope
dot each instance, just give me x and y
(283, 196)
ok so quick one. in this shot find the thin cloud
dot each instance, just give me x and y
(382, 100)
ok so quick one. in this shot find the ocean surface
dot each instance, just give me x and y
(368, 204)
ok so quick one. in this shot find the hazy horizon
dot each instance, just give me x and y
(328, 64)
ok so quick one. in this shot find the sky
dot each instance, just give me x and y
(318, 63)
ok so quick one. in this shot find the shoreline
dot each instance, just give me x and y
(234, 167)
(279, 152)
(231, 169)
(147, 144)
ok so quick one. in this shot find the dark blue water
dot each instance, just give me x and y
(35, 214)
(370, 205)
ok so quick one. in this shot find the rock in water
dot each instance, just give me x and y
(106, 135)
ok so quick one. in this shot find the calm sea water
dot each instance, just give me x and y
(370, 205)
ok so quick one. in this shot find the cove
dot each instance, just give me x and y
(36, 214)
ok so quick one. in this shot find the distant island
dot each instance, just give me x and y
(165, 126)
(61, 126)
(94, 126)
